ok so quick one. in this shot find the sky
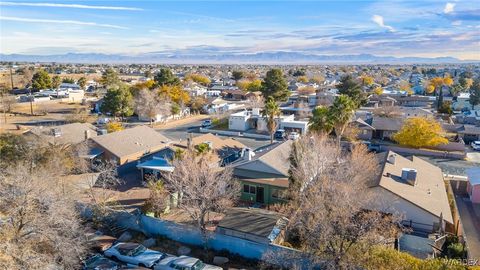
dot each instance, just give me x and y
(429, 28)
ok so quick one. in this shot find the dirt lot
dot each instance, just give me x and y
(44, 112)
(19, 81)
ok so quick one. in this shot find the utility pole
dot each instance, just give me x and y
(11, 76)
(31, 102)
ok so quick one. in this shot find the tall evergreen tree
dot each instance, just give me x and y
(274, 85)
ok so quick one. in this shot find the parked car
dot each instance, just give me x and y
(135, 254)
(184, 263)
(279, 134)
(372, 147)
(293, 136)
(475, 145)
(99, 262)
(207, 123)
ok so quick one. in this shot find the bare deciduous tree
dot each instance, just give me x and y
(149, 104)
(329, 191)
(201, 188)
(40, 227)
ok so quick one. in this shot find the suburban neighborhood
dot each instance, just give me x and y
(215, 135)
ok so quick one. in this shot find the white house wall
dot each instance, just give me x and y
(389, 202)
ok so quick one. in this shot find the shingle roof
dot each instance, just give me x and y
(469, 129)
(429, 193)
(386, 123)
(140, 139)
(278, 157)
(68, 134)
(217, 142)
(252, 221)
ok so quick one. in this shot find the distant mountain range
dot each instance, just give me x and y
(225, 58)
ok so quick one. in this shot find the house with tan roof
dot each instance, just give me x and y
(224, 151)
(128, 146)
(413, 188)
(263, 173)
(68, 134)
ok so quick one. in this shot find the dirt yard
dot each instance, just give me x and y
(19, 119)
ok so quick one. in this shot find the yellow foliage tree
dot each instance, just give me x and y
(150, 84)
(420, 132)
(243, 84)
(175, 93)
(436, 82)
(114, 126)
(429, 89)
(367, 80)
(198, 78)
(378, 91)
(302, 79)
(447, 81)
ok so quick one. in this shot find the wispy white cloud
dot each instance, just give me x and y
(379, 20)
(449, 7)
(30, 20)
(57, 5)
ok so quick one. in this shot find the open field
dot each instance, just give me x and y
(43, 113)
(19, 81)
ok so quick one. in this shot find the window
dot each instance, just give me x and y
(249, 189)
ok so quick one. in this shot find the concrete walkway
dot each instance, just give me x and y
(470, 217)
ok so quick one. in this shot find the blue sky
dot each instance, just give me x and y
(398, 28)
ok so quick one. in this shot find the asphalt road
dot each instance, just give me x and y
(451, 166)
(182, 132)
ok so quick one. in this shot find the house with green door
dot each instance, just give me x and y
(263, 173)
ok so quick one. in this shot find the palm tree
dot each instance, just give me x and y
(321, 121)
(271, 112)
(340, 112)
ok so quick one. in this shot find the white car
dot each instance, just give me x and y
(475, 145)
(135, 254)
(184, 263)
(293, 136)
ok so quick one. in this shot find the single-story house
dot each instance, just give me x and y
(381, 101)
(413, 188)
(253, 224)
(264, 190)
(473, 186)
(469, 133)
(408, 112)
(365, 131)
(416, 101)
(225, 150)
(128, 146)
(69, 134)
(385, 127)
(263, 173)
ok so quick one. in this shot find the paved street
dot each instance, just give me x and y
(470, 216)
(451, 166)
(181, 132)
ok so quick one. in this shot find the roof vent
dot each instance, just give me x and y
(410, 176)
(391, 158)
